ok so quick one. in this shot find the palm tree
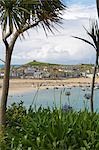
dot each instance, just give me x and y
(97, 4)
(16, 17)
(94, 35)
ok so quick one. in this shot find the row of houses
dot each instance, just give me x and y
(29, 72)
(47, 72)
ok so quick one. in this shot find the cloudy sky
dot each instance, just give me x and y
(61, 47)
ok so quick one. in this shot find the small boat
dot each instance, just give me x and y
(32, 85)
(68, 87)
(67, 93)
(83, 89)
(80, 86)
(74, 86)
(56, 88)
(88, 86)
(87, 96)
(88, 89)
(96, 87)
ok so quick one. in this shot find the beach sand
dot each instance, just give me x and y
(26, 85)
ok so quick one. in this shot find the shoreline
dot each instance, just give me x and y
(18, 86)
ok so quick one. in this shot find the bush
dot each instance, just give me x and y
(47, 129)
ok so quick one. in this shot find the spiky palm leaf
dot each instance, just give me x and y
(18, 13)
(93, 34)
(86, 41)
(97, 4)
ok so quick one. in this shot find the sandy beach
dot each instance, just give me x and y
(26, 85)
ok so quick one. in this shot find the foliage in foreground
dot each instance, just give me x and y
(47, 129)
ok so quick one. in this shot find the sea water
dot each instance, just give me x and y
(56, 97)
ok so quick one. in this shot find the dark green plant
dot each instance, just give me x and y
(50, 129)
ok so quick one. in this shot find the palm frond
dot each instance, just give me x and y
(91, 34)
(19, 13)
(86, 41)
(97, 4)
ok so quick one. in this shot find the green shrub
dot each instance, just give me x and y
(47, 129)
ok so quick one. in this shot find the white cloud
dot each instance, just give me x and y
(61, 47)
(80, 11)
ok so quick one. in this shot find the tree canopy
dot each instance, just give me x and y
(16, 17)
(22, 14)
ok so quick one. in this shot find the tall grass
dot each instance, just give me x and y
(47, 129)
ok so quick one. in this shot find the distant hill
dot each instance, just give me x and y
(36, 63)
(80, 67)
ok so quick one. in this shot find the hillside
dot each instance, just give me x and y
(38, 70)
(36, 63)
(81, 67)
(49, 66)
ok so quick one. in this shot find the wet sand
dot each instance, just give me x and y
(26, 85)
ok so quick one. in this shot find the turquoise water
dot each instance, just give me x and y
(56, 97)
(2, 65)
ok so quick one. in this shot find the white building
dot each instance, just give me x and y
(1, 74)
(89, 75)
(30, 70)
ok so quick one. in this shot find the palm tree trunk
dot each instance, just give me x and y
(5, 89)
(93, 84)
(97, 4)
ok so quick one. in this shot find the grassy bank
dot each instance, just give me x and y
(50, 130)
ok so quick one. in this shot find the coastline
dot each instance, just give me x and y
(18, 86)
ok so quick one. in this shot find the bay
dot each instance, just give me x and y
(15, 66)
(57, 97)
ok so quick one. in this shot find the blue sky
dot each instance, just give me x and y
(61, 47)
(84, 2)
